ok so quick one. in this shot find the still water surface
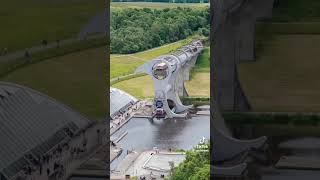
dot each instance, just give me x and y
(144, 134)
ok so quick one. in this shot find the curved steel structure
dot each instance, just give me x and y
(232, 41)
(169, 73)
(31, 124)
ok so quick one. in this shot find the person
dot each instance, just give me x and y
(84, 143)
(40, 170)
(44, 42)
(5, 51)
(29, 170)
(27, 54)
(58, 43)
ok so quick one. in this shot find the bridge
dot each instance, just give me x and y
(169, 72)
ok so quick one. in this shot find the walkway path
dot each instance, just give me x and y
(36, 49)
(122, 55)
(118, 122)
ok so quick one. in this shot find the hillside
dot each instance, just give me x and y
(76, 79)
(284, 75)
(26, 23)
(199, 85)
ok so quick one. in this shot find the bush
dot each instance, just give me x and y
(134, 30)
(265, 118)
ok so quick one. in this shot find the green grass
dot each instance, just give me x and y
(76, 79)
(122, 65)
(297, 10)
(154, 5)
(26, 23)
(285, 75)
(203, 62)
(142, 87)
(14, 64)
(199, 85)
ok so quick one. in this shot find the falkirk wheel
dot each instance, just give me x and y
(169, 73)
(232, 41)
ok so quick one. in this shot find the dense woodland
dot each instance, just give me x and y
(134, 30)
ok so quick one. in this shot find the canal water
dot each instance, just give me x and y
(145, 134)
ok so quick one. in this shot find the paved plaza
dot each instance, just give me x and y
(152, 163)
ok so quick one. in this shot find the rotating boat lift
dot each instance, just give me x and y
(232, 41)
(169, 73)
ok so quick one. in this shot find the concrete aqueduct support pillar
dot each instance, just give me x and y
(169, 73)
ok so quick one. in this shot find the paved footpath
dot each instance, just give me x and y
(117, 123)
(36, 49)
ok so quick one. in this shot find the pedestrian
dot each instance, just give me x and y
(27, 54)
(40, 170)
(5, 51)
(84, 143)
(29, 170)
(48, 171)
(58, 43)
(44, 42)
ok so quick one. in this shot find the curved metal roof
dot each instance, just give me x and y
(119, 100)
(31, 123)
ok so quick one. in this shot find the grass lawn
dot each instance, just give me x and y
(76, 79)
(297, 10)
(127, 64)
(156, 5)
(199, 85)
(142, 87)
(26, 23)
(285, 75)
(203, 62)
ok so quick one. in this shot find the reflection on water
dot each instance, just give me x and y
(145, 134)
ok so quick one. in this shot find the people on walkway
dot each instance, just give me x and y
(58, 43)
(27, 54)
(44, 42)
(48, 172)
(5, 51)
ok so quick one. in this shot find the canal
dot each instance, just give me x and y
(144, 134)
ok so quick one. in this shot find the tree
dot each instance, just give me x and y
(134, 30)
(196, 166)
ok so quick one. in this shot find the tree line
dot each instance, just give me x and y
(133, 30)
(196, 166)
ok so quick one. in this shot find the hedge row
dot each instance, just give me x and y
(269, 118)
(196, 101)
(9, 66)
(124, 78)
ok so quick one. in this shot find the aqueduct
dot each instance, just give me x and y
(169, 73)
